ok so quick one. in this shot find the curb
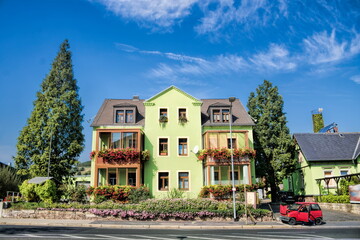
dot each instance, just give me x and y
(174, 226)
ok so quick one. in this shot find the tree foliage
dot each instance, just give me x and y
(272, 141)
(9, 181)
(54, 128)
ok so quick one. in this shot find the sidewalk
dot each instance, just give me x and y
(167, 224)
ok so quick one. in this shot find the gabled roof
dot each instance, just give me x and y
(240, 116)
(105, 115)
(329, 146)
(169, 89)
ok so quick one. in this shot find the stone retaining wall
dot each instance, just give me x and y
(345, 207)
(79, 215)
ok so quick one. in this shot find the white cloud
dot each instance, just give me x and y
(246, 12)
(356, 79)
(325, 48)
(277, 57)
(162, 13)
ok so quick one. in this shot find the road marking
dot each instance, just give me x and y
(72, 236)
(143, 236)
(114, 237)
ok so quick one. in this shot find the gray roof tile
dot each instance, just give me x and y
(328, 146)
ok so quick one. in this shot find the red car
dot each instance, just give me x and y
(305, 212)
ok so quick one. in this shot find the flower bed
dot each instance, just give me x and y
(152, 209)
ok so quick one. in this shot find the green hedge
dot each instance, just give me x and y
(333, 199)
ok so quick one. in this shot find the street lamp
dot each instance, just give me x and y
(231, 100)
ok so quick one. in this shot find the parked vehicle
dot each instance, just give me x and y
(286, 197)
(304, 212)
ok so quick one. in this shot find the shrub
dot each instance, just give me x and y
(9, 181)
(175, 193)
(139, 194)
(27, 190)
(334, 199)
(47, 191)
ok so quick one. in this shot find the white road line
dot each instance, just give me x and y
(72, 236)
(265, 236)
(114, 237)
(245, 236)
(144, 236)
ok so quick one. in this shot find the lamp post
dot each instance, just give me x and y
(231, 100)
(48, 171)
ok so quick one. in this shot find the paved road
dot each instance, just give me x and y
(23, 232)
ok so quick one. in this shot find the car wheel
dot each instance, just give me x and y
(318, 221)
(292, 221)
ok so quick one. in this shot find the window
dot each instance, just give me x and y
(225, 115)
(236, 175)
(112, 176)
(163, 115)
(163, 146)
(183, 181)
(163, 181)
(344, 172)
(233, 143)
(328, 173)
(183, 148)
(115, 140)
(131, 177)
(119, 116)
(125, 116)
(129, 116)
(163, 112)
(118, 140)
(221, 115)
(182, 112)
(216, 115)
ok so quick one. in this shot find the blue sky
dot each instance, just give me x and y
(210, 49)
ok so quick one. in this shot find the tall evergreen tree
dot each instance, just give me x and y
(54, 129)
(272, 141)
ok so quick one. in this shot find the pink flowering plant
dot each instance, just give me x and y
(224, 154)
(121, 156)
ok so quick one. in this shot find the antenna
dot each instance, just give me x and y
(196, 149)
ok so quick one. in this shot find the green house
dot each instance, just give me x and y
(323, 159)
(171, 141)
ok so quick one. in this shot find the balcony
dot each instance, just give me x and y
(216, 156)
(120, 156)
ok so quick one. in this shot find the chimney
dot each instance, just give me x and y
(136, 98)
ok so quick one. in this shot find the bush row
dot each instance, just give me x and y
(224, 191)
(153, 208)
(118, 193)
(333, 199)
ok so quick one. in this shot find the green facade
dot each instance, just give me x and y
(172, 100)
(172, 128)
(303, 182)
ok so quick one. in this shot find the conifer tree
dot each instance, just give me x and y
(272, 141)
(53, 130)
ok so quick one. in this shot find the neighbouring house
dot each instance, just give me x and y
(171, 141)
(324, 159)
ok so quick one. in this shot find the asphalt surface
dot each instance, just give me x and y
(38, 232)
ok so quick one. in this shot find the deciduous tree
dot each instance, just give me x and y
(272, 141)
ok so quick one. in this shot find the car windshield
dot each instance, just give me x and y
(294, 206)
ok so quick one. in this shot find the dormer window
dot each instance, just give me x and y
(124, 115)
(220, 115)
